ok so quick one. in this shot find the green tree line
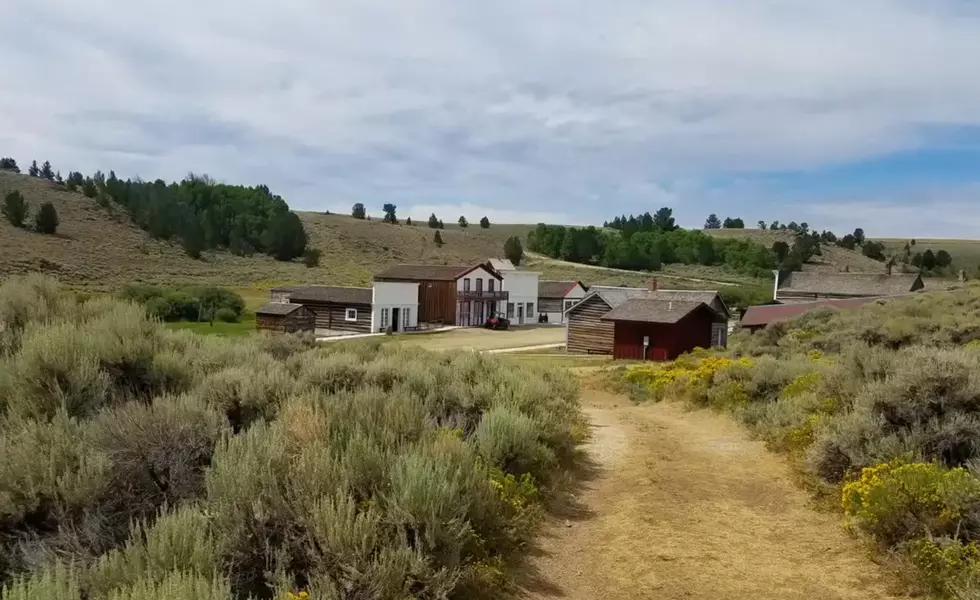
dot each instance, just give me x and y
(199, 212)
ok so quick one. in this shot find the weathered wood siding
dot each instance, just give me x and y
(332, 316)
(299, 320)
(437, 299)
(549, 305)
(586, 333)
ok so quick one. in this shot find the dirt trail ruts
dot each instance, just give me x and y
(685, 505)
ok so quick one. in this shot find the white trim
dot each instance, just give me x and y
(347, 315)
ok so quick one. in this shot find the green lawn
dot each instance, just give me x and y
(243, 328)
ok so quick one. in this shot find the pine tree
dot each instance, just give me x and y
(513, 250)
(463, 222)
(409, 222)
(46, 219)
(15, 208)
(437, 238)
(433, 221)
(441, 226)
(712, 222)
(9, 164)
(46, 171)
(484, 223)
(33, 171)
(389, 210)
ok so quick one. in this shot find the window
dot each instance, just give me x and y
(530, 309)
(466, 284)
(490, 283)
(510, 310)
(405, 317)
(384, 319)
(479, 284)
(350, 314)
(569, 304)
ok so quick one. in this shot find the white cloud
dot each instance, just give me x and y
(574, 109)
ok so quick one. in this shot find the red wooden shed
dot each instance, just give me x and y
(668, 328)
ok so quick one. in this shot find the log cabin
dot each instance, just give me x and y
(334, 308)
(588, 333)
(811, 286)
(287, 318)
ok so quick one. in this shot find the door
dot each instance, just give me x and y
(520, 314)
(396, 321)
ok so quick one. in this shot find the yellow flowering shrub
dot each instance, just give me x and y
(690, 375)
(519, 495)
(806, 382)
(895, 501)
(300, 595)
(943, 563)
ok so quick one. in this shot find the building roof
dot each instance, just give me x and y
(615, 296)
(556, 289)
(759, 316)
(847, 284)
(278, 308)
(429, 272)
(336, 295)
(502, 264)
(651, 311)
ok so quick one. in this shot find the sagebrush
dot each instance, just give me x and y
(145, 463)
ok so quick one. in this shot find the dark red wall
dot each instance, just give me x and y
(667, 342)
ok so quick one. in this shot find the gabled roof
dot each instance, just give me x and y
(847, 284)
(758, 316)
(502, 264)
(615, 296)
(651, 311)
(431, 272)
(336, 295)
(278, 309)
(556, 289)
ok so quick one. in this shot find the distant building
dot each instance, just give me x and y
(657, 329)
(334, 308)
(810, 286)
(451, 295)
(287, 318)
(590, 329)
(556, 297)
(759, 317)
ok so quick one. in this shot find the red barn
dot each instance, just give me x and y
(661, 329)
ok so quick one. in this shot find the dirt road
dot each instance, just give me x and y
(685, 505)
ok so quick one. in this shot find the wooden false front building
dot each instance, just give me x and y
(661, 329)
(334, 308)
(588, 333)
(287, 318)
(452, 295)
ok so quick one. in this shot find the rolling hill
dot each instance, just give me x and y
(100, 248)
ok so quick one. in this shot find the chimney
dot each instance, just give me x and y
(652, 284)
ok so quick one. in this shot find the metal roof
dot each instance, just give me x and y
(758, 316)
(847, 284)
(555, 289)
(336, 295)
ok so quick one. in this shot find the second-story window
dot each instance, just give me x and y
(490, 283)
(479, 284)
(466, 284)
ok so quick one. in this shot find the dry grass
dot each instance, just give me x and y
(685, 505)
(476, 338)
(965, 253)
(834, 259)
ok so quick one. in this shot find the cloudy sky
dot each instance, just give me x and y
(837, 112)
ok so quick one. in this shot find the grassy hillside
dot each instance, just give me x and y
(965, 253)
(100, 248)
(834, 259)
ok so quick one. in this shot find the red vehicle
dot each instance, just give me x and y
(496, 322)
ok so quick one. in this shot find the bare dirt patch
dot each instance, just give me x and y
(685, 505)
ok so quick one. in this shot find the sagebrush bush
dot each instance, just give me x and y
(880, 404)
(140, 463)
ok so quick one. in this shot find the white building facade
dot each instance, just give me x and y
(394, 304)
(521, 307)
(556, 307)
(479, 294)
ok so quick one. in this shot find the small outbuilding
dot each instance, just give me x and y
(287, 318)
(648, 329)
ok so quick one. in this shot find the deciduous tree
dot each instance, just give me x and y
(9, 164)
(484, 223)
(357, 211)
(389, 210)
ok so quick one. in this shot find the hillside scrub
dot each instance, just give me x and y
(195, 303)
(878, 406)
(145, 463)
